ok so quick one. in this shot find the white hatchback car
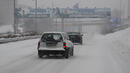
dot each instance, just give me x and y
(55, 43)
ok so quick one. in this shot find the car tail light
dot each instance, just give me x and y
(79, 36)
(38, 46)
(64, 45)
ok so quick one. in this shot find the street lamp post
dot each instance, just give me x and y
(36, 16)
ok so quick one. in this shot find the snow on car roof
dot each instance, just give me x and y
(54, 32)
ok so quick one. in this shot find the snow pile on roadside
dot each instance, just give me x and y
(118, 44)
(120, 41)
(6, 28)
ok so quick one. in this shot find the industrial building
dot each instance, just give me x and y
(129, 8)
(6, 12)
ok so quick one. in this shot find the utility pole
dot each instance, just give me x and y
(57, 15)
(62, 21)
(52, 15)
(15, 21)
(61, 15)
(56, 24)
(120, 12)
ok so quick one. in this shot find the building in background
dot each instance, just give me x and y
(124, 9)
(6, 16)
(6, 12)
(129, 8)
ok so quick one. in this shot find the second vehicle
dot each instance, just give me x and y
(75, 37)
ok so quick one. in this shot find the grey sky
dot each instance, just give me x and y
(70, 3)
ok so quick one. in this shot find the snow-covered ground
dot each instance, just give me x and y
(100, 54)
(119, 45)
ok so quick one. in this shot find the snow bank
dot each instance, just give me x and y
(118, 44)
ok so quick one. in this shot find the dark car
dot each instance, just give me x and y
(75, 37)
(53, 43)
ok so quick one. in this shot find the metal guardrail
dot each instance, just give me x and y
(6, 40)
(121, 27)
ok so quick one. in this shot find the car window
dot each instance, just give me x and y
(56, 37)
(52, 37)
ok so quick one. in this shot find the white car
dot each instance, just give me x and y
(55, 43)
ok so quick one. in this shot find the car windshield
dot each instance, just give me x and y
(51, 37)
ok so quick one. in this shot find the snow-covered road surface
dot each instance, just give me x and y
(94, 56)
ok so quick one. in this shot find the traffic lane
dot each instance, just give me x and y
(33, 64)
(91, 57)
(22, 58)
(13, 51)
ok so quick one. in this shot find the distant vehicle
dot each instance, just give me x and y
(53, 43)
(75, 37)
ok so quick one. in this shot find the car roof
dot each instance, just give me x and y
(54, 32)
(73, 33)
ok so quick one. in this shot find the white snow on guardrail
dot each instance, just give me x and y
(6, 40)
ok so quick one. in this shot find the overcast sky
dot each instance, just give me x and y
(70, 3)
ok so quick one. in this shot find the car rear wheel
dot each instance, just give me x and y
(39, 55)
(72, 53)
(81, 42)
(66, 54)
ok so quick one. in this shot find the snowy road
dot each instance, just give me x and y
(91, 57)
